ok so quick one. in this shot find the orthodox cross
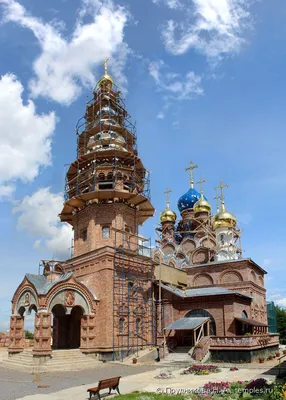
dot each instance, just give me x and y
(221, 187)
(191, 168)
(167, 194)
(106, 66)
(217, 198)
(201, 183)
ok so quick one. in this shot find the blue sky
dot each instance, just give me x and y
(204, 80)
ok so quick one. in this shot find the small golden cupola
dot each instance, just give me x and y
(106, 80)
(223, 218)
(202, 205)
(168, 215)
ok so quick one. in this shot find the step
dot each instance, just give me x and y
(61, 360)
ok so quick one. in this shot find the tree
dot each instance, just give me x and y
(29, 335)
(281, 323)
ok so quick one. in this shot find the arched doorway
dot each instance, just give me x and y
(66, 327)
(28, 321)
(200, 312)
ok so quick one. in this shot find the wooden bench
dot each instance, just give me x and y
(111, 384)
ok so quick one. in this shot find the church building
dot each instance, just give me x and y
(117, 295)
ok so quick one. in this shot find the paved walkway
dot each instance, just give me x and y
(18, 384)
(146, 381)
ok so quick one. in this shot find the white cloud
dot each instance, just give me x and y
(281, 302)
(267, 262)
(38, 216)
(173, 4)
(175, 85)
(160, 115)
(214, 27)
(244, 218)
(25, 136)
(66, 65)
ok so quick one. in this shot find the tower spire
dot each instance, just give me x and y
(191, 168)
(106, 80)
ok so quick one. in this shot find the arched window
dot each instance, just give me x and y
(222, 239)
(101, 177)
(138, 320)
(110, 176)
(105, 232)
(244, 314)
(121, 325)
(204, 313)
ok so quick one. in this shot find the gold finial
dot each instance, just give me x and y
(106, 66)
(217, 198)
(168, 215)
(201, 183)
(221, 187)
(191, 168)
(167, 194)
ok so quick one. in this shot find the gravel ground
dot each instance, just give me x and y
(16, 384)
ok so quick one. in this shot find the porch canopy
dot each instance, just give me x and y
(251, 322)
(186, 323)
(255, 327)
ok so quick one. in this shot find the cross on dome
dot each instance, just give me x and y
(191, 168)
(167, 194)
(106, 66)
(201, 183)
(221, 187)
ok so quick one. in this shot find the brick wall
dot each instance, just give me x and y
(93, 218)
(223, 309)
(96, 270)
(5, 341)
(242, 276)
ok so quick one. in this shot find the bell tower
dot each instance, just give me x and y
(107, 186)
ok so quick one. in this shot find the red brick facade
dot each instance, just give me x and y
(105, 299)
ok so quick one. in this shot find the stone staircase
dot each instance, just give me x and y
(61, 360)
(179, 357)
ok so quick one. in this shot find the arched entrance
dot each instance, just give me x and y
(28, 322)
(200, 312)
(66, 327)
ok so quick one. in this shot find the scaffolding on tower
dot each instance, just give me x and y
(134, 326)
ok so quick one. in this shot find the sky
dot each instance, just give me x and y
(203, 79)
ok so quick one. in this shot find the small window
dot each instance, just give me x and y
(130, 285)
(127, 229)
(84, 235)
(105, 232)
(121, 325)
(138, 320)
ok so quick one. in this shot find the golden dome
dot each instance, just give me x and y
(168, 215)
(202, 205)
(224, 219)
(106, 80)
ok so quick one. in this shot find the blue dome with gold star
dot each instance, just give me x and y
(188, 200)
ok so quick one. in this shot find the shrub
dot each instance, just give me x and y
(201, 369)
(259, 383)
(29, 335)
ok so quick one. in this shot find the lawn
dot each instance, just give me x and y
(257, 389)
